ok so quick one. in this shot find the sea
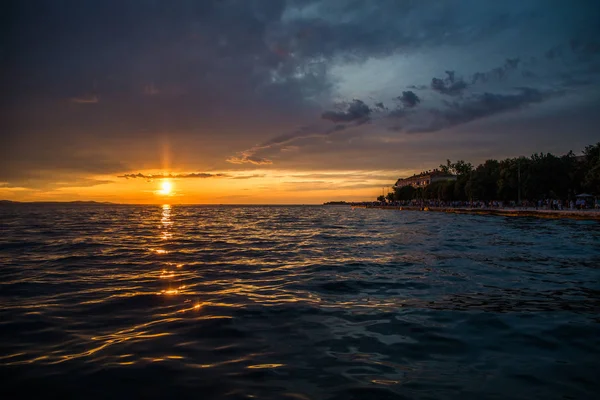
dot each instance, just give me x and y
(295, 302)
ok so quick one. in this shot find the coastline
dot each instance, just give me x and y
(588, 215)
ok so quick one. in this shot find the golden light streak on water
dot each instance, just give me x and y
(263, 366)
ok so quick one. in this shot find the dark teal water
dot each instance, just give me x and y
(297, 303)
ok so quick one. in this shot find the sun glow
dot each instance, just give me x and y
(165, 188)
(256, 186)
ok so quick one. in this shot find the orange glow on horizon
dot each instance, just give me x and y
(257, 186)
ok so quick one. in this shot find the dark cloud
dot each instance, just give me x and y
(528, 74)
(512, 63)
(336, 128)
(575, 82)
(498, 73)
(553, 53)
(79, 94)
(85, 100)
(449, 86)
(249, 176)
(82, 182)
(409, 99)
(398, 113)
(45, 162)
(194, 175)
(356, 111)
(347, 176)
(55, 182)
(453, 86)
(578, 48)
(151, 90)
(304, 132)
(479, 106)
(234, 196)
(358, 29)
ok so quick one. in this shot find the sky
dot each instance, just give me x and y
(283, 101)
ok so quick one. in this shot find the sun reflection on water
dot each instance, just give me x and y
(166, 222)
(168, 274)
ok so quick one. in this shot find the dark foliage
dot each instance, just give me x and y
(541, 176)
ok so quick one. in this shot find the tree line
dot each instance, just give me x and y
(541, 176)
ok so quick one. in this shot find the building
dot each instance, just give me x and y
(424, 178)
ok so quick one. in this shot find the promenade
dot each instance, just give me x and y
(505, 212)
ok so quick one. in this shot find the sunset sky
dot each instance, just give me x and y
(272, 101)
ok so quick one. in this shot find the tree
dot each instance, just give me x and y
(381, 198)
(447, 190)
(462, 170)
(459, 168)
(547, 177)
(460, 186)
(508, 179)
(574, 175)
(404, 193)
(483, 184)
(446, 168)
(591, 180)
(540, 176)
(431, 191)
(441, 190)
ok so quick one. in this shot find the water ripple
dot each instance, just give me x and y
(296, 302)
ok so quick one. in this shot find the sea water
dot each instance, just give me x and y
(241, 302)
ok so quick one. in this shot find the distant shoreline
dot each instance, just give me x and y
(106, 203)
(590, 215)
(74, 202)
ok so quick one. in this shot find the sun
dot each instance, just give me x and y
(165, 188)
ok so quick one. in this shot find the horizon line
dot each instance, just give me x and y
(166, 203)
